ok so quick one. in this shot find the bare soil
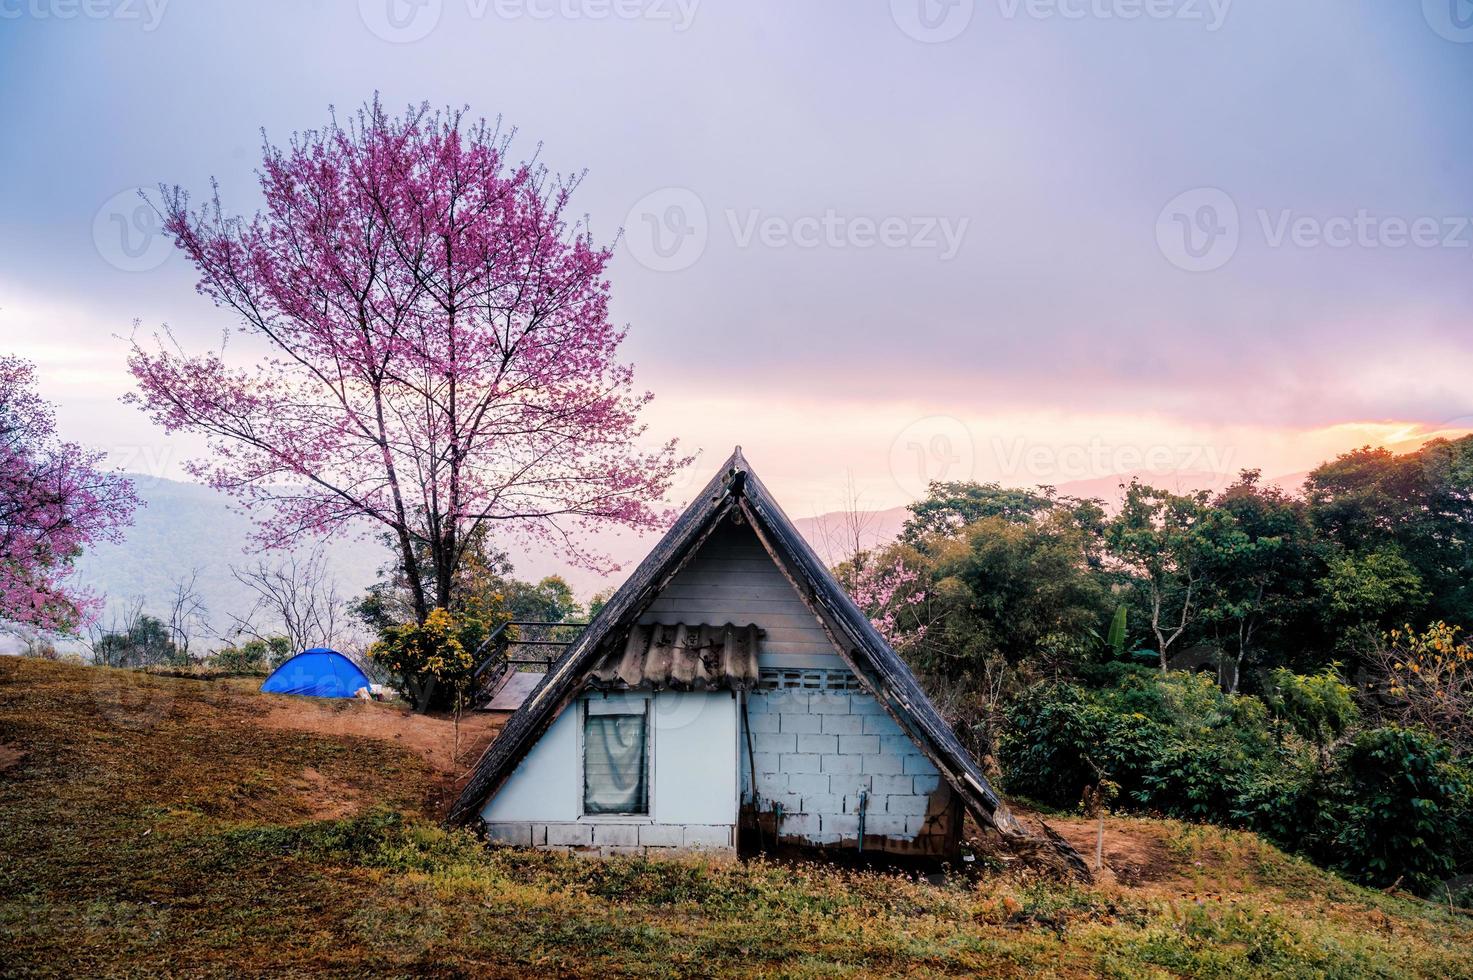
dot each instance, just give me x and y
(1135, 854)
(327, 798)
(10, 756)
(448, 746)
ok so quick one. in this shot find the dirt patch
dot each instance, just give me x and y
(11, 756)
(1135, 854)
(327, 798)
(432, 737)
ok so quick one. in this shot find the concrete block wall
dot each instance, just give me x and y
(815, 751)
(606, 838)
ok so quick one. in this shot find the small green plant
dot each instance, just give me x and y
(431, 661)
(1115, 639)
(1319, 707)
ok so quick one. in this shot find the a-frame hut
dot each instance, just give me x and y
(730, 695)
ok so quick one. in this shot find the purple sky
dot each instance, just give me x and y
(1029, 241)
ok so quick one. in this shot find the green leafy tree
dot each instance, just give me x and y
(1417, 505)
(1259, 571)
(1163, 541)
(256, 655)
(1402, 811)
(431, 662)
(1362, 595)
(951, 507)
(145, 641)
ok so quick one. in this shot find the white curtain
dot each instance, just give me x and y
(614, 762)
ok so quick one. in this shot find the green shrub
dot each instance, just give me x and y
(1174, 744)
(255, 656)
(1390, 805)
(1400, 810)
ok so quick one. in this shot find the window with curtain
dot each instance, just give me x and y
(616, 757)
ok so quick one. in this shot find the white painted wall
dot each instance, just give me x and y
(693, 770)
(695, 757)
(547, 784)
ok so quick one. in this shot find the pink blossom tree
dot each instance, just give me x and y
(889, 594)
(439, 354)
(55, 500)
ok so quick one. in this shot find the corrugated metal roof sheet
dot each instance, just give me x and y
(683, 657)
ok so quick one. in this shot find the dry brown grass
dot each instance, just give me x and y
(158, 826)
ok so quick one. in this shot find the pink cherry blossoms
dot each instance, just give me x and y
(54, 502)
(888, 595)
(438, 353)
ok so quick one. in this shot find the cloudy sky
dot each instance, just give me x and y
(1027, 240)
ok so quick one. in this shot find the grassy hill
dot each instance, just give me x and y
(158, 825)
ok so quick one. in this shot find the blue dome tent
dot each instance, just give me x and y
(317, 673)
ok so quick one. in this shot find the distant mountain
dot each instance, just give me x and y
(834, 535)
(184, 526)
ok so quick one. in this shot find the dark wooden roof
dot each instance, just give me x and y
(736, 493)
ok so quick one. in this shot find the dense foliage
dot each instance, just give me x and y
(1308, 676)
